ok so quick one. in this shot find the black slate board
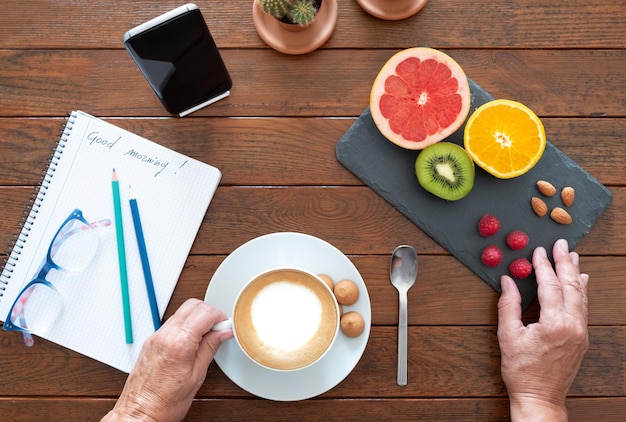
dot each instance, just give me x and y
(389, 171)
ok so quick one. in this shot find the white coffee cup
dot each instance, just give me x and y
(284, 319)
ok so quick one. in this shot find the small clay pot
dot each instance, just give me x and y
(296, 39)
(392, 9)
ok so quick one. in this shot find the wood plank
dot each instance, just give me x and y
(444, 361)
(523, 24)
(466, 409)
(354, 219)
(439, 409)
(562, 83)
(25, 146)
(474, 301)
(429, 302)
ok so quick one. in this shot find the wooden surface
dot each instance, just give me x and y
(274, 141)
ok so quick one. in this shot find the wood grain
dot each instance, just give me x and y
(440, 409)
(354, 219)
(239, 147)
(457, 23)
(444, 361)
(584, 83)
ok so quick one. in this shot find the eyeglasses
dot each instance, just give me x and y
(39, 304)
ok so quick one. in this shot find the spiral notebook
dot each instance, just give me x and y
(172, 192)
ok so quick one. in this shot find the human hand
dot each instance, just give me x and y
(172, 365)
(541, 360)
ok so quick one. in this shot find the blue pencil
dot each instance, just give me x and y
(145, 263)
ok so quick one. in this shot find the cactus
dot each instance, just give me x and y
(300, 12)
(276, 8)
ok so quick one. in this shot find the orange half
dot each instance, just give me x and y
(505, 138)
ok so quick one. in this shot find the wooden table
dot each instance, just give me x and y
(274, 140)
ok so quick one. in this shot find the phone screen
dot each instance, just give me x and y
(180, 60)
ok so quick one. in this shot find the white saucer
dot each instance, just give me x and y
(288, 250)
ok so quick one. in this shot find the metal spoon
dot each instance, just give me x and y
(403, 272)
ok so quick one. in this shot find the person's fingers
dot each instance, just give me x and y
(182, 312)
(574, 290)
(585, 281)
(210, 344)
(549, 290)
(509, 307)
(573, 256)
(201, 319)
(196, 326)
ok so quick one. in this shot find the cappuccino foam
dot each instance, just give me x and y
(286, 315)
(285, 320)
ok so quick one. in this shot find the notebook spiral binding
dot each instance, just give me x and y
(30, 213)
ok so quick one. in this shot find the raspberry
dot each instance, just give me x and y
(517, 240)
(488, 225)
(491, 256)
(520, 268)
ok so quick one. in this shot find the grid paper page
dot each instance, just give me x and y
(173, 193)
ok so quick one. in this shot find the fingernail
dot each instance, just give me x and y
(541, 251)
(562, 245)
(505, 283)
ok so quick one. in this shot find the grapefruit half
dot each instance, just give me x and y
(420, 96)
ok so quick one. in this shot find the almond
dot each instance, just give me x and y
(539, 206)
(561, 216)
(567, 195)
(546, 188)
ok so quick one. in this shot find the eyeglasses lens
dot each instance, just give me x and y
(38, 307)
(75, 246)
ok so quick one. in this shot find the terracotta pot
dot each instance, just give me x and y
(392, 9)
(295, 39)
(292, 27)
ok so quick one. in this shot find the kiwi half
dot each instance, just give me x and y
(445, 170)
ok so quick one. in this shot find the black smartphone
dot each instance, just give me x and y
(178, 57)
